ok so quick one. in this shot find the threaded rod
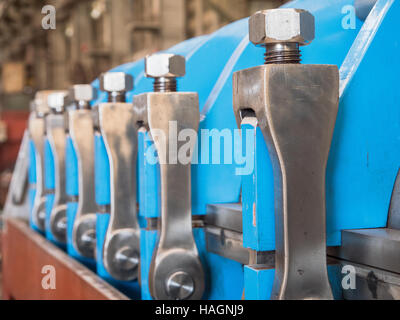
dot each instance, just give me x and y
(116, 96)
(282, 53)
(164, 84)
(82, 104)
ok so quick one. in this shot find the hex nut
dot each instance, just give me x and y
(116, 82)
(82, 92)
(281, 25)
(40, 102)
(165, 65)
(58, 100)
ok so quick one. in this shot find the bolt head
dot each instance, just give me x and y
(82, 92)
(40, 102)
(180, 285)
(281, 25)
(116, 82)
(126, 258)
(165, 65)
(58, 100)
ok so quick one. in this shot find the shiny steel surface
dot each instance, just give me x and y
(281, 25)
(165, 65)
(17, 202)
(121, 250)
(116, 82)
(372, 283)
(225, 215)
(296, 108)
(394, 209)
(37, 127)
(82, 134)
(379, 248)
(55, 129)
(363, 8)
(180, 285)
(175, 251)
(229, 244)
(82, 92)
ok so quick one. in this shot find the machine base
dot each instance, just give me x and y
(34, 268)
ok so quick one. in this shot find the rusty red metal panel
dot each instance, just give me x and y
(16, 122)
(25, 253)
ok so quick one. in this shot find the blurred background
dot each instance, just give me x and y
(90, 37)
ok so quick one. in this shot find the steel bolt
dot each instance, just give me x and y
(57, 101)
(180, 285)
(116, 84)
(82, 94)
(282, 32)
(40, 103)
(165, 68)
(126, 258)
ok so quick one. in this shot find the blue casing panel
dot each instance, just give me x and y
(32, 182)
(49, 182)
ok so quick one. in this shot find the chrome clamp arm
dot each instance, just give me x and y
(37, 131)
(175, 271)
(17, 201)
(121, 250)
(296, 108)
(56, 135)
(82, 135)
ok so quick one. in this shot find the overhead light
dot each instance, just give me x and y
(69, 30)
(98, 8)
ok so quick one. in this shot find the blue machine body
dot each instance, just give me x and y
(49, 182)
(362, 165)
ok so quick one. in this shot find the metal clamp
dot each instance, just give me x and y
(57, 137)
(82, 134)
(121, 250)
(296, 108)
(175, 271)
(37, 128)
(17, 202)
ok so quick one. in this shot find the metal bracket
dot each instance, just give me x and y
(37, 130)
(296, 108)
(17, 202)
(121, 250)
(56, 135)
(84, 229)
(175, 271)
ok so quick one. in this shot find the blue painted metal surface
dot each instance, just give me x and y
(32, 182)
(49, 183)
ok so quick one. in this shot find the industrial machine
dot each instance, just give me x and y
(202, 173)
